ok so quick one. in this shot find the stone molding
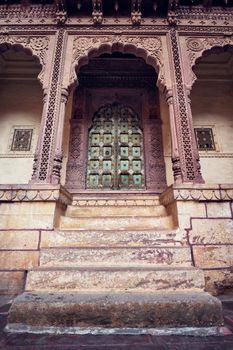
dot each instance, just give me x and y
(114, 202)
(197, 47)
(202, 192)
(38, 46)
(149, 48)
(29, 193)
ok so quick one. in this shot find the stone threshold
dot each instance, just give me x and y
(160, 331)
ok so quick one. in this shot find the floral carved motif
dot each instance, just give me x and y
(152, 47)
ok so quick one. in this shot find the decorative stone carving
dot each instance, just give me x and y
(198, 15)
(189, 159)
(197, 193)
(151, 46)
(97, 12)
(44, 161)
(28, 193)
(38, 45)
(196, 47)
(136, 15)
(33, 14)
(155, 173)
(77, 158)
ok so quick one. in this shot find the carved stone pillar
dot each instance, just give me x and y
(58, 154)
(174, 140)
(185, 158)
(48, 155)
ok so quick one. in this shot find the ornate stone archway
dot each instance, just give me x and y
(150, 49)
(150, 119)
(37, 46)
(198, 47)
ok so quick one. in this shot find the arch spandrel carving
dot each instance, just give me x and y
(37, 45)
(150, 49)
(197, 47)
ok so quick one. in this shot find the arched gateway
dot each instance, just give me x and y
(116, 138)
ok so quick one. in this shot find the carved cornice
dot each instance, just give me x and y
(197, 193)
(199, 15)
(38, 45)
(145, 47)
(28, 193)
(33, 14)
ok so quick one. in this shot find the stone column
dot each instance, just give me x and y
(185, 157)
(48, 155)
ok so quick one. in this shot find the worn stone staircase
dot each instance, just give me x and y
(115, 262)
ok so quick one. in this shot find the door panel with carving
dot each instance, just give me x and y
(115, 149)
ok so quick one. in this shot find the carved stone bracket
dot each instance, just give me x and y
(38, 45)
(196, 47)
(146, 47)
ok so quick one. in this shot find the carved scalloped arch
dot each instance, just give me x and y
(37, 46)
(150, 49)
(199, 47)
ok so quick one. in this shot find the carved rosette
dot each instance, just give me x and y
(148, 47)
(197, 46)
(38, 45)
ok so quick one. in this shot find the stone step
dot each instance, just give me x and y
(115, 211)
(112, 278)
(113, 310)
(126, 256)
(146, 238)
(119, 223)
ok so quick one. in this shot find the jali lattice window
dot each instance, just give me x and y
(22, 140)
(205, 139)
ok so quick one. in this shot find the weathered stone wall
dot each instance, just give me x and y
(21, 107)
(212, 106)
(206, 214)
(24, 212)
